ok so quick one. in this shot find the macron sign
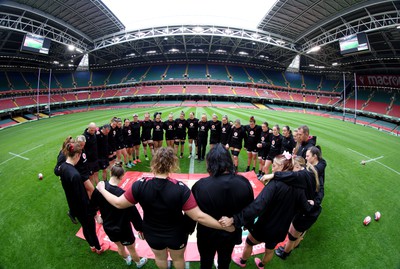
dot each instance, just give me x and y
(379, 80)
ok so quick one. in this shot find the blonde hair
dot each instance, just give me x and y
(311, 168)
(164, 161)
(80, 138)
(299, 160)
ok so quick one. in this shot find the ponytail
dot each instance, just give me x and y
(71, 149)
(311, 168)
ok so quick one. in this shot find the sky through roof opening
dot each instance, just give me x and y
(146, 14)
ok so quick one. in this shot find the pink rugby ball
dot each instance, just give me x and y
(377, 215)
(367, 220)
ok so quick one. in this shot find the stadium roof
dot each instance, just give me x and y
(289, 28)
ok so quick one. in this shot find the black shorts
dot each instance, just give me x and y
(271, 157)
(93, 167)
(145, 138)
(252, 148)
(175, 242)
(129, 145)
(103, 164)
(110, 159)
(270, 241)
(120, 146)
(192, 136)
(262, 153)
(214, 141)
(170, 137)
(126, 236)
(180, 137)
(136, 142)
(303, 222)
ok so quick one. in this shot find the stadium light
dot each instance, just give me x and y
(314, 49)
(335, 64)
(173, 50)
(243, 53)
(311, 65)
(198, 29)
(228, 31)
(220, 51)
(79, 50)
(151, 52)
(71, 47)
(398, 27)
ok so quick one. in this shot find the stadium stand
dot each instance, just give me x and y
(175, 71)
(238, 74)
(196, 71)
(217, 72)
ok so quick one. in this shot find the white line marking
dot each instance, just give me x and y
(384, 165)
(191, 166)
(372, 160)
(21, 154)
(17, 155)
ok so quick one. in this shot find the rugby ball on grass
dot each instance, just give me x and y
(377, 215)
(367, 220)
(40, 176)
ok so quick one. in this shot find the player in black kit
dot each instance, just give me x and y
(128, 141)
(193, 131)
(288, 143)
(119, 142)
(263, 147)
(112, 148)
(135, 126)
(222, 193)
(147, 128)
(180, 133)
(275, 149)
(77, 196)
(91, 152)
(215, 130)
(202, 137)
(117, 222)
(158, 132)
(253, 132)
(102, 149)
(169, 127)
(235, 142)
(225, 130)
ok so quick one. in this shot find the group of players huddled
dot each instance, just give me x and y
(105, 147)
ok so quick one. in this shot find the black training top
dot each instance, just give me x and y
(127, 134)
(180, 128)
(169, 127)
(162, 201)
(275, 208)
(158, 131)
(265, 140)
(102, 146)
(147, 127)
(276, 145)
(225, 133)
(237, 137)
(82, 166)
(203, 129)
(112, 146)
(90, 146)
(253, 135)
(116, 220)
(135, 127)
(288, 144)
(75, 192)
(312, 140)
(193, 126)
(60, 159)
(119, 138)
(224, 195)
(321, 174)
(215, 131)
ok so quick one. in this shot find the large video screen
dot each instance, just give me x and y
(354, 44)
(35, 44)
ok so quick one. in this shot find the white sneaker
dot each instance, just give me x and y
(128, 260)
(142, 262)
(147, 158)
(196, 157)
(190, 156)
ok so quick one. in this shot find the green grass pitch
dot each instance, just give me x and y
(36, 233)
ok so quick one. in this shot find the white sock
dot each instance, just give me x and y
(128, 259)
